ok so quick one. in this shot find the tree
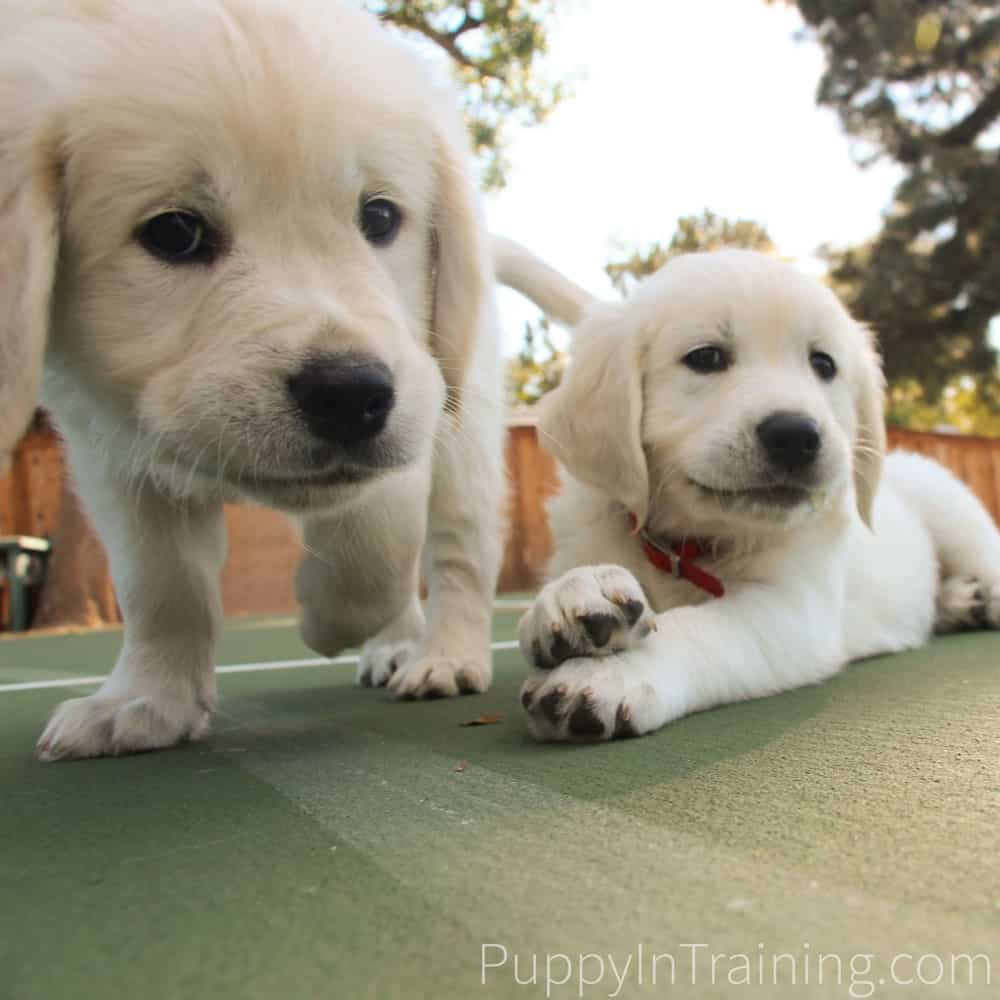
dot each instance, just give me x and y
(537, 368)
(918, 82)
(494, 47)
(707, 231)
(968, 404)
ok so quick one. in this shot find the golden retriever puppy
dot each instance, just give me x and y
(722, 531)
(243, 258)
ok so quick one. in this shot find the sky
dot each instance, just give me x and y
(678, 106)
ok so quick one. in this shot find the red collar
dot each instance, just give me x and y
(679, 561)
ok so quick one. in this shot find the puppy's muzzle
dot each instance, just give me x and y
(343, 399)
(791, 441)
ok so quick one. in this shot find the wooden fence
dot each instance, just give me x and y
(263, 550)
(532, 479)
(975, 460)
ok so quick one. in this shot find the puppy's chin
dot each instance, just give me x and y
(312, 476)
(299, 495)
(312, 488)
(768, 499)
(733, 512)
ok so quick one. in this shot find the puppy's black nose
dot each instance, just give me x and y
(791, 441)
(343, 399)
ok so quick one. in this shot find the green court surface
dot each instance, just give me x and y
(325, 842)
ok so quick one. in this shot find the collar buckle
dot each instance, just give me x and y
(678, 561)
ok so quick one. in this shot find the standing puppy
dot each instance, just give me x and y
(722, 533)
(241, 241)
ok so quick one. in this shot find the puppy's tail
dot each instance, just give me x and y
(553, 293)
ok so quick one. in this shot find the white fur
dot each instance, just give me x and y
(169, 383)
(808, 585)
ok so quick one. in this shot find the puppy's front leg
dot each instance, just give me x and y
(360, 572)
(165, 561)
(462, 557)
(756, 641)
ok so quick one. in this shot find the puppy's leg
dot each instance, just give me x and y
(968, 548)
(966, 602)
(359, 576)
(966, 542)
(756, 641)
(165, 561)
(462, 560)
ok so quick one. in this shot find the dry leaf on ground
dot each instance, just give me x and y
(484, 720)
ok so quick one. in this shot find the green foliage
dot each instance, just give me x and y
(536, 368)
(707, 231)
(494, 47)
(967, 404)
(917, 82)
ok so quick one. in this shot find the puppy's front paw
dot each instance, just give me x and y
(438, 677)
(381, 660)
(105, 725)
(589, 700)
(592, 611)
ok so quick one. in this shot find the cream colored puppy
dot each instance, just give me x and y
(722, 532)
(242, 237)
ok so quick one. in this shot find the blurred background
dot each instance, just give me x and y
(858, 139)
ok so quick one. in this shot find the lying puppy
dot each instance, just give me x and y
(721, 532)
(242, 236)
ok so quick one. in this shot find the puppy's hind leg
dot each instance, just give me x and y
(964, 602)
(966, 542)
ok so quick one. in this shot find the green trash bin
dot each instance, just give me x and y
(22, 570)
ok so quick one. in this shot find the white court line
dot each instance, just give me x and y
(233, 668)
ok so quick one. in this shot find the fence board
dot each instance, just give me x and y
(533, 480)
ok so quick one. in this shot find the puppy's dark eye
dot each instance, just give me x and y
(380, 220)
(708, 360)
(179, 238)
(823, 365)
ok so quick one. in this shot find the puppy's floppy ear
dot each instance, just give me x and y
(29, 248)
(870, 443)
(461, 266)
(592, 423)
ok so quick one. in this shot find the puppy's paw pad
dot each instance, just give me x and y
(100, 726)
(585, 721)
(568, 705)
(428, 678)
(588, 701)
(566, 712)
(551, 705)
(600, 627)
(381, 660)
(592, 611)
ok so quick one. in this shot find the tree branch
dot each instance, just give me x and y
(972, 125)
(446, 40)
